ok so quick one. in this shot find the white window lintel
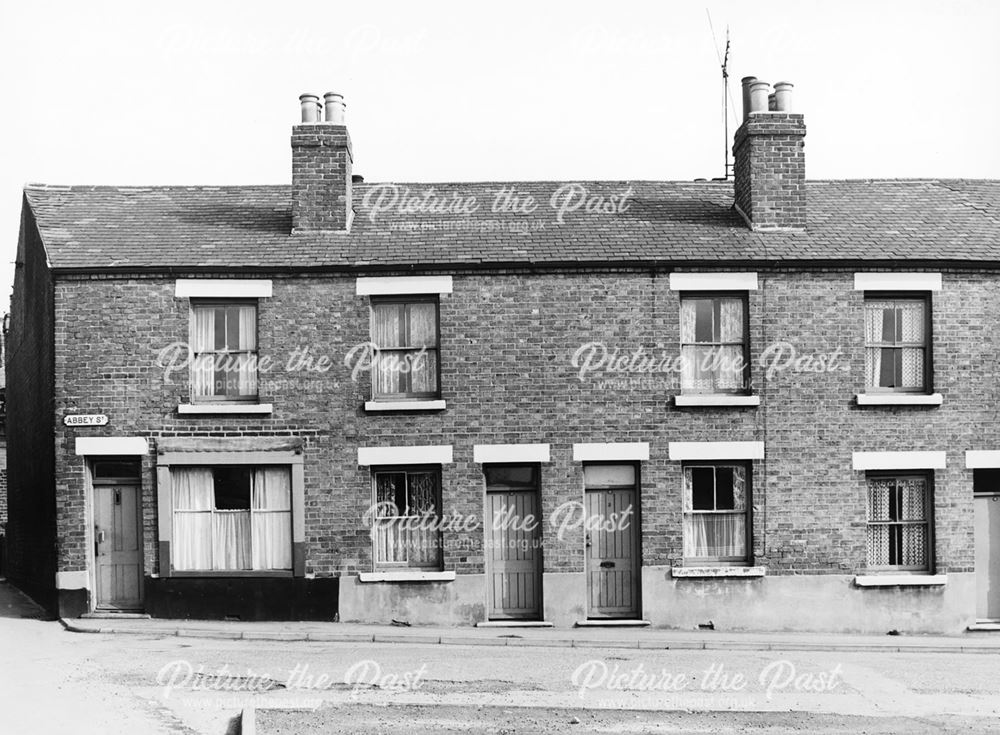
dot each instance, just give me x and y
(614, 451)
(897, 281)
(713, 282)
(436, 454)
(111, 445)
(694, 451)
(222, 288)
(898, 460)
(402, 285)
(487, 453)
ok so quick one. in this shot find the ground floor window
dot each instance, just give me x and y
(231, 518)
(898, 531)
(407, 528)
(716, 498)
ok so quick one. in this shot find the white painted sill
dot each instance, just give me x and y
(225, 408)
(716, 400)
(901, 580)
(406, 576)
(513, 624)
(899, 399)
(714, 572)
(375, 406)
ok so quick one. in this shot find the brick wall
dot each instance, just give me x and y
(506, 345)
(31, 499)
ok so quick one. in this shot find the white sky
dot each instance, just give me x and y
(207, 92)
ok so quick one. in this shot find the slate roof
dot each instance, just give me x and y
(98, 227)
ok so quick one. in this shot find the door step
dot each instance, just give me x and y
(115, 615)
(513, 624)
(612, 624)
(983, 626)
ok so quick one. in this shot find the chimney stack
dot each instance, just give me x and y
(322, 158)
(768, 150)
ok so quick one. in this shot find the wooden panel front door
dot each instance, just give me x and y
(513, 555)
(612, 547)
(987, 531)
(118, 547)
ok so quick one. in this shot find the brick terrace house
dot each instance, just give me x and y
(451, 404)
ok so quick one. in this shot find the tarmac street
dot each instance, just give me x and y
(54, 680)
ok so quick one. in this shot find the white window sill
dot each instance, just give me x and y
(221, 408)
(712, 572)
(406, 576)
(371, 406)
(899, 399)
(901, 580)
(716, 400)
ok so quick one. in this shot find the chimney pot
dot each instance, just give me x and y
(758, 96)
(783, 96)
(309, 104)
(747, 81)
(335, 108)
(771, 104)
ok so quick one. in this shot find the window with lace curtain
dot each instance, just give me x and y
(897, 357)
(714, 344)
(231, 518)
(223, 351)
(406, 523)
(716, 498)
(898, 529)
(404, 335)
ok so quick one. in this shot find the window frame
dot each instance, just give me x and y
(731, 561)
(195, 303)
(928, 477)
(744, 297)
(408, 469)
(173, 453)
(403, 299)
(175, 572)
(924, 297)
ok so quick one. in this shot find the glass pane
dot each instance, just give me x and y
(423, 493)
(911, 321)
(724, 499)
(731, 320)
(879, 492)
(889, 323)
(390, 494)
(231, 540)
(889, 372)
(272, 488)
(219, 314)
(729, 368)
(421, 369)
(608, 475)
(106, 469)
(911, 367)
(387, 376)
(911, 491)
(687, 320)
(873, 366)
(232, 488)
(423, 325)
(874, 320)
(702, 488)
(386, 325)
(517, 477)
(913, 546)
(715, 536)
(704, 320)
